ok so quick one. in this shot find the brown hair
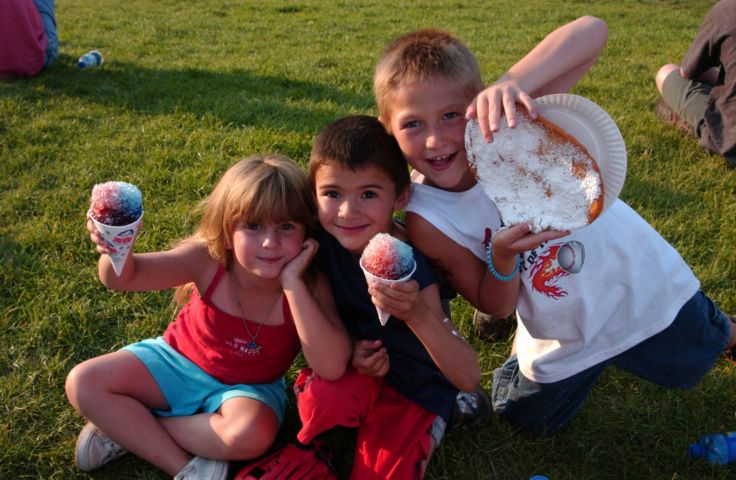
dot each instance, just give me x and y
(257, 189)
(420, 56)
(356, 142)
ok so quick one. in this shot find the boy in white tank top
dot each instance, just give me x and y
(632, 301)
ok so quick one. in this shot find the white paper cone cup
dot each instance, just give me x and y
(119, 240)
(370, 278)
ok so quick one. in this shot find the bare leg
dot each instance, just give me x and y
(242, 428)
(663, 73)
(116, 392)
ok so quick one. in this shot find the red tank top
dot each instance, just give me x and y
(216, 341)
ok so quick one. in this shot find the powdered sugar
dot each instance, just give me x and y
(548, 184)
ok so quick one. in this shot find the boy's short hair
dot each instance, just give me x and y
(424, 55)
(357, 142)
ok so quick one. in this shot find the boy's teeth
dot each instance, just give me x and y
(440, 160)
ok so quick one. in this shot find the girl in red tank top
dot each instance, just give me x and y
(228, 347)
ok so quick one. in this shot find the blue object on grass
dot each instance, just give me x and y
(715, 448)
(90, 59)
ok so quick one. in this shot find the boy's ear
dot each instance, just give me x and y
(402, 198)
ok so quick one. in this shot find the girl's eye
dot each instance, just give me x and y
(411, 124)
(451, 115)
(330, 194)
(369, 194)
(252, 226)
(287, 227)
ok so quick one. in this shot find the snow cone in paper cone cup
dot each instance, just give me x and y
(387, 260)
(116, 208)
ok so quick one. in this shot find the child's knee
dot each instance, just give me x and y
(245, 443)
(77, 386)
(86, 385)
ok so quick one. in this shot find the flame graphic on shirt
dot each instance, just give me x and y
(546, 271)
(486, 238)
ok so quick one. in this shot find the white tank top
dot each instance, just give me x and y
(584, 298)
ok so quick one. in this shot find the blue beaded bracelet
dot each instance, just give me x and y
(496, 275)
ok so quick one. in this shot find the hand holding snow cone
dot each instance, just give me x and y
(387, 260)
(115, 214)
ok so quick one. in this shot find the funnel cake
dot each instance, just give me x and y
(536, 173)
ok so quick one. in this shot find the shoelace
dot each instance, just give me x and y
(111, 448)
(467, 403)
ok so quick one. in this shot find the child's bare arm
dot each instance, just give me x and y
(422, 312)
(325, 342)
(468, 274)
(464, 271)
(553, 66)
(182, 264)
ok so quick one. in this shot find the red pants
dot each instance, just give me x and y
(393, 432)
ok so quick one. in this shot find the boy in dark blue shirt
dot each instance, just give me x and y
(409, 374)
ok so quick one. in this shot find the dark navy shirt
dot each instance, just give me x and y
(412, 371)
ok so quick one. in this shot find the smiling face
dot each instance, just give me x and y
(263, 248)
(428, 121)
(353, 206)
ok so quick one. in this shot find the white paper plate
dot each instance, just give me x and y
(598, 133)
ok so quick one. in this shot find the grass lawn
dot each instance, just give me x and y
(187, 88)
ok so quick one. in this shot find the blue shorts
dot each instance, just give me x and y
(188, 389)
(677, 357)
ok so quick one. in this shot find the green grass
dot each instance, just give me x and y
(187, 88)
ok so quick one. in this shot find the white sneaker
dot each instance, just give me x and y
(472, 408)
(200, 468)
(94, 449)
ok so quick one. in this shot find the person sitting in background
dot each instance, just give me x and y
(699, 96)
(28, 40)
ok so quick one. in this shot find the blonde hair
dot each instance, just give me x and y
(420, 56)
(257, 189)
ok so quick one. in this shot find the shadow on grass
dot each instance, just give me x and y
(18, 266)
(237, 97)
(657, 200)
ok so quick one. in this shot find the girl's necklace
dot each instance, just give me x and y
(252, 347)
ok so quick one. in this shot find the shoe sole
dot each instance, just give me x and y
(493, 328)
(665, 113)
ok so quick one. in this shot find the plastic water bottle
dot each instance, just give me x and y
(90, 59)
(716, 448)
